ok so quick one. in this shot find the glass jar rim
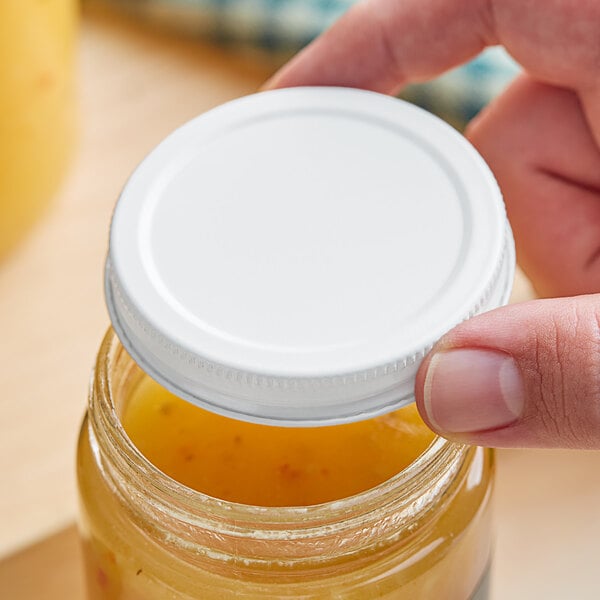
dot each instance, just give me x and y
(397, 503)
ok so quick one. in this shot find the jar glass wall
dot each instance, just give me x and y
(37, 55)
(423, 534)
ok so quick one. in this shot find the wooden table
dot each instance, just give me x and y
(136, 86)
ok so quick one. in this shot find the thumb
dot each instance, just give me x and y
(525, 375)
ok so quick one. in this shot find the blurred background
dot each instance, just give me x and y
(85, 93)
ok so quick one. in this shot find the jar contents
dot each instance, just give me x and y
(265, 465)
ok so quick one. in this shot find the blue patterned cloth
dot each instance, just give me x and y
(461, 93)
(281, 27)
(277, 26)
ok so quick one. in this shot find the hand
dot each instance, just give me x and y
(528, 374)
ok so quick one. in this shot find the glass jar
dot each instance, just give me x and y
(37, 55)
(423, 534)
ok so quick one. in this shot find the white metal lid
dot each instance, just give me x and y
(291, 256)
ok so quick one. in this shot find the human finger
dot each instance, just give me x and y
(383, 44)
(525, 375)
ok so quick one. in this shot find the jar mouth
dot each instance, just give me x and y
(394, 506)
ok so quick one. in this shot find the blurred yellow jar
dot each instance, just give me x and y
(37, 55)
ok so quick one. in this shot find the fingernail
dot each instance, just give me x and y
(470, 390)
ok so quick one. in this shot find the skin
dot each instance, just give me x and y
(541, 138)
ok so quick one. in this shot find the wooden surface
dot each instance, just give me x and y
(135, 89)
(136, 86)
